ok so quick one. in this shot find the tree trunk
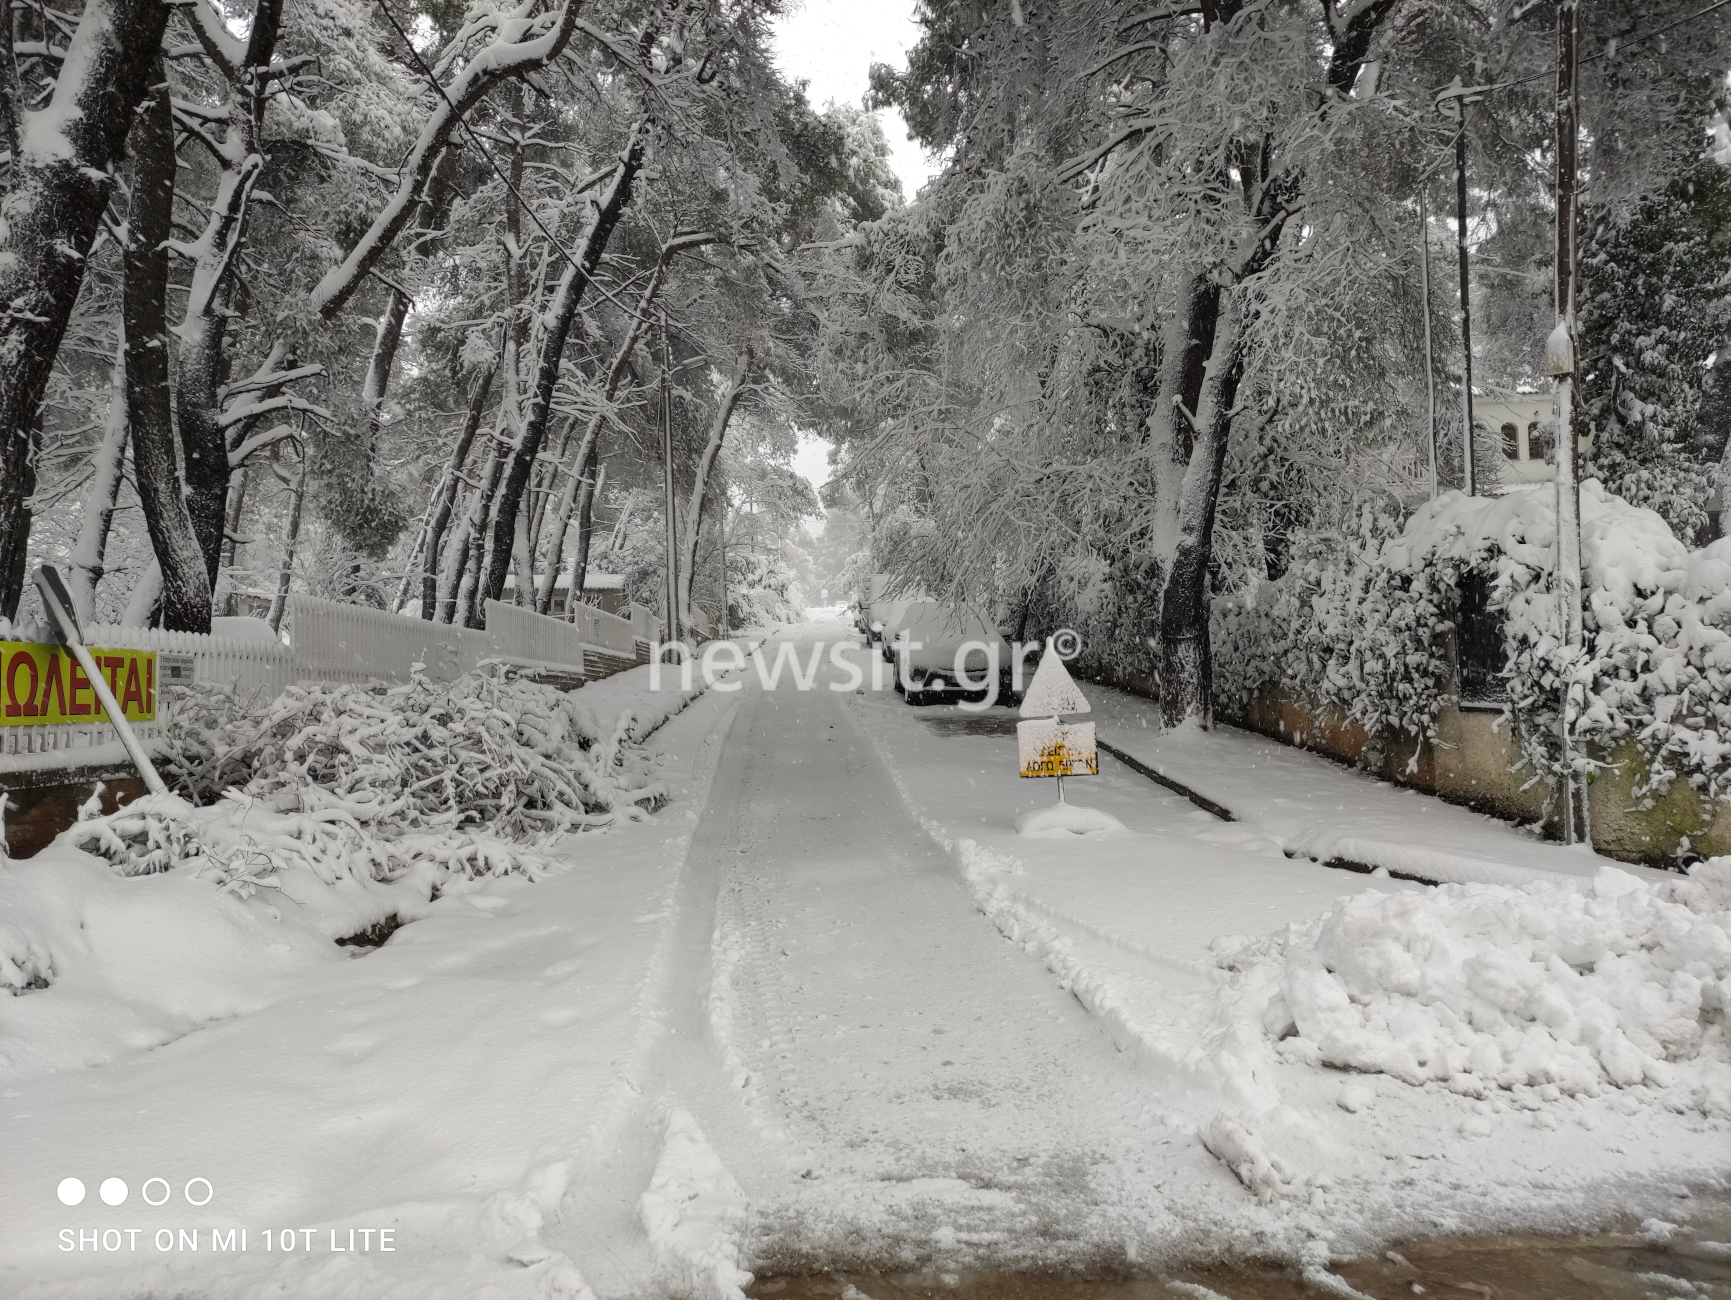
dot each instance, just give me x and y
(144, 605)
(15, 541)
(203, 330)
(1186, 341)
(388, 329)
(89, 551)
(562, 519)
(231, 537)
(556, 326)
(64, 155)
(184, 600)
(700, 483)
(291, 540)
(1185, 662)
(585, 528)
(449, 493)
(464, 573)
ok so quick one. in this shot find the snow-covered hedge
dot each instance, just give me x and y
(1357, 626)
(1484, 987)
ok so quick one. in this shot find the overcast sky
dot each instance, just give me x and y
(831, 45)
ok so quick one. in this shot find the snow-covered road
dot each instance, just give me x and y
(826, 1011)
(919, 1077)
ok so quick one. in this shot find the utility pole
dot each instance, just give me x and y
(1560, 364)
(1429, 359)
(1453, 102)
(1469, 479)
(672, 602)
(722, 544)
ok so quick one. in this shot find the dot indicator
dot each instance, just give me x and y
(71, 1191)
(113, 1191)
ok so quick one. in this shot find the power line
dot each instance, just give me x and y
(504, 180)
(1593, 58)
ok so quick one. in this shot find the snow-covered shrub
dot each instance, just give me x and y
(1485, 987)
(1356, 625)
(1656, 666)
(1349, 631)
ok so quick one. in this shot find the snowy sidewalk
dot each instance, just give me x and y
(449, 1086)
(1134, 923)
(1317, 809)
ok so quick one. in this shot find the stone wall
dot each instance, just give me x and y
(1472, 762)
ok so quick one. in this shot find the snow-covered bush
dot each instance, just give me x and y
(1484, 987)
(1352, 633)
(1357, 626)
(1656, 668)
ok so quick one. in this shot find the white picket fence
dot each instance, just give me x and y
(332, 642)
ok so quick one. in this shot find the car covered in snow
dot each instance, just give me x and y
(926, 646)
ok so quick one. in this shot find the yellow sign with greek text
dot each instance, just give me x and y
(1052, 748)
(44, 684)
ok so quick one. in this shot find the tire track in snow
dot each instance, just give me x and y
(946, 1103)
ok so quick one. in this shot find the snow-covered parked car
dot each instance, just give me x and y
(926, 658)
(887, 619)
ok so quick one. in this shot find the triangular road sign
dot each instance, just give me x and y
(1053, 691)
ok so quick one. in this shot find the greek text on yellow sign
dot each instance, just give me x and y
(1052, 748)
(44, 684)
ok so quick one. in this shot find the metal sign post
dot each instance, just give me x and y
(58, 602)
(1048, 746)
(1453, 103)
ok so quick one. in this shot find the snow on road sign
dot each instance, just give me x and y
(1052, 748)
(1053, 691)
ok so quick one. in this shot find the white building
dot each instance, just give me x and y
(1527, 433)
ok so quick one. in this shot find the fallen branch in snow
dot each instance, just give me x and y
(518, 759)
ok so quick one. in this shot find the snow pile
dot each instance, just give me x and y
(100, 966)
(516, 758)
(692, 1213)
(1063, 819)
(1547, 986)
(1356, 625)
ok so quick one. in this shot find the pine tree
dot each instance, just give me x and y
(1654, 308)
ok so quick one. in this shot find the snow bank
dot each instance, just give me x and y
(349, 806)
(692, 1212)
(1489, 987)
(100, 965)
